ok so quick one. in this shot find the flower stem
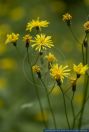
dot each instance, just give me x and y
(37, 59)
(49, 103)
(77, 40)
(86, 55)
(83, 104)
(72, 106)
(83, 54)
(65, 107)
(37, 92)
(86, 86)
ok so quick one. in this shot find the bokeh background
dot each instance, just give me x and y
(19, 108)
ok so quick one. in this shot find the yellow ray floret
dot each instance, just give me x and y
(50, 57)
(86, 26)
(80, 69)
(42, 42)
(36, 24)
(12, 38)
(36, 69)
(67, 17)
(59, 72)
(27, 38)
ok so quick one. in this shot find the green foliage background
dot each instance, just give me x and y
(19, 109)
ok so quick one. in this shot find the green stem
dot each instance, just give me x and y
(74, 35)
(86, 55)
(51, 89)
(36, 59)
(83, 54)
(86, 87)
(65, 107)
(83, 104)
(72, 106)
(37, 92)
(77, 115)
(86, 50)
(49, 103)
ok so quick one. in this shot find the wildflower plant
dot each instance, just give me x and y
(42, 44)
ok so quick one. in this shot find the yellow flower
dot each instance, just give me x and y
(36, 24)
(36, 69)
(27, 38)
(86, 26)
(12, 38)
(59, 72)
(42, 42)
(50, 57)
(67, 17)
(80, 69)
(73, 81)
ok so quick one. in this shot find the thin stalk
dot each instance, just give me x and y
(74, 35)
(37, 59)
(86, 88)
(51, 89)
(37, 92)
(65, 107)
(86, 55)
(72, 106)
(86, 50)
(83, 59)
(49, 103)
(81, 109)
(83, 105)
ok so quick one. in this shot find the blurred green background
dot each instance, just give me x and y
(19, 108)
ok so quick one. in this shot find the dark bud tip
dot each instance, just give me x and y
(27, 44)
(85, 43)
(68, 23)
(87, 31)
(37, 28)
(39, 75)
(14, 43)
(49, 65)
(78, 75)
(58, 82)
(74, 88)
(41, 53)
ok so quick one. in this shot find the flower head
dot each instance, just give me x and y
(59, 72)
(80, 69)
(36, 24)
(86, 26)
(12, 38)
(27, 38)
(73, 81)
(50, 57)
(67, 18)
(42, 42)
(36, 69)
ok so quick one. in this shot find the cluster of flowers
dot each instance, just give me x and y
(42, 42)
